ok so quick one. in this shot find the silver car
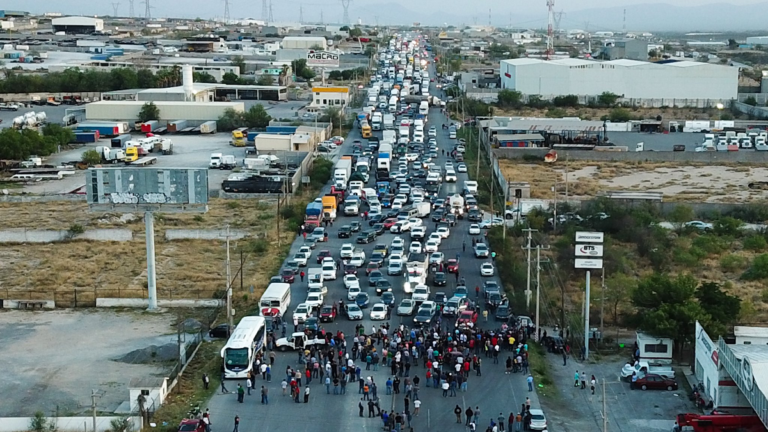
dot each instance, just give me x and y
(406, 307)
(538, 420)
(354, 312)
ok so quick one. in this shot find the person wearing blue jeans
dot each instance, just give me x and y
(327, 385)
(264, 395)
(530, 383)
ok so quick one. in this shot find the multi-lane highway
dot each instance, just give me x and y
(494, 392)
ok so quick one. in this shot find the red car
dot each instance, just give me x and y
(466, 318)
(350, 269)
(323, 254)
(371, 267)
(656, 382)
(328, 313)
(191, 425)
(453, 266)
(389, 222)
(288, 275)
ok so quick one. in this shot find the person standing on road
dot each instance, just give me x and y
(530, 382)
(240, 393)
(206, 381)
(583, 380)
(632, 383)
(457, 411)
(223, 389)
(576, 379)
(264, 395)
(477, 414)
(360, 408)
(500, 421)
(306, 394)
(518, 421)
(469, 413)
(248, 385)
(416, 407)
(592, 383)
(301, 275)
(237, 423)
(565, 357)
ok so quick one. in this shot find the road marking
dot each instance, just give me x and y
(428, 420)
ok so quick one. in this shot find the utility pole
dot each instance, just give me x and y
(554, 216)
(506, 200)
(229, 289)
(226, 12)
(538, 283)
(602, 303)
(130, 9)
(528, 284)
(605, 410)
(301, 14)
(492, 182)
(114, 8)
(94, 394)
(271, 17)
(264, 10)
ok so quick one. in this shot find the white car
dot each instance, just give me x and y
(301, 259)
(397, 204)
(414, 222)
(444, 232)
(474, 229)
(351, 281)
(354, 312)
(462, 168)
(329, 272)
(448, 166)
(418, 232)
(314, 300)
(436, 258)
(486, 269)
(431, 246)
(538, 420)
(379, 311)
(406, 307)
(496, 221)
(470, 186)
(346, 250)
(415, 248)
(432, 132)
(436, 237)
(357, 261)
(420, 293)
(320, 290)
(404, 190)
(400, 227)
(396, 259)
(450, 176)
(302, 312)
(410, 157)
(434, 177)
(307, 250)
(397, 242)
(352, 293)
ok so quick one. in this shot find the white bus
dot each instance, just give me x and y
(240, 351)
(276, 299)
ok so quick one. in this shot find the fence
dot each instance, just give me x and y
(753, 111)
(86, 297)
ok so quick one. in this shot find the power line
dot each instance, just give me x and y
(147, 10)
(264, 10)
(114, 8)
(345, 5)
(301, 14)
(226, 11)
(130, 9)
(271, 17)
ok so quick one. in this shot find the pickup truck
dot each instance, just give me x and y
(298, 340)
(315, 277)
(643, 368)
(9, 107)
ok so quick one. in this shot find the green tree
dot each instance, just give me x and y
(39, 423)
(758, 270)
(301, 70)
(607, 99)
(370, 50)
(231, 78)
(732, 44)
(91, 157)
(203, 77)
(123, 78)
(62, 135)
(665, 307)
(20, 145)
(653, 53)
(256, 117)
(145, 79)
(501, 51)
(618, 288)
(149, 111)
(566, 101)
(750, 101)
(619, 115)
(724, 309)
(239, 61)
(510, 98)
(265, 80)
(355, 32)
(681, 214)
(728, 226)
(230, 120)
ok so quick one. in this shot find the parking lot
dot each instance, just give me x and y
(52, 360)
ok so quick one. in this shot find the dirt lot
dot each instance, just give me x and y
(190, 268)
(699, 183)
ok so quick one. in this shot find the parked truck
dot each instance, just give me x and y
(150, 126)
(106, 129)
(208, 127)
(164, 146)
(313, 214)
(86, 137)
(330, 205)
(642, 367)
(177, 126)
(239, 137)
(119, 141)
(111, 155)
(342, 172)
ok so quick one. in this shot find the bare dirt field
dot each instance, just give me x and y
(691, 183)
(187, 268)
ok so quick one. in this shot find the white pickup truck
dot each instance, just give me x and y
(643, 368)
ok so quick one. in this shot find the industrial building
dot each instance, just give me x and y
(195, 112)
(632, 49)
(304, 42)
(325, 97)
(665, 83)
(265, 142)
(77, 25)
(757, 40)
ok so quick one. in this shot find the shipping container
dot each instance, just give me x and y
(106, 129)
(119, 141)
(169, 111)
(281, 129)
(150, 126)
(101, 57)
(177, 126)
(86, 137)
(208, 127)
(252, 135)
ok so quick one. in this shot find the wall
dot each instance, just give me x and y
(268, 142)
(26, 97)
(41, 198)
(688, 156)
(129, 110)
(144, 303)
(706, 363)
(66, 424)
(23, 235)
(203, 234)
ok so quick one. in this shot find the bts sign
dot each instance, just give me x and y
(322, 59)
(588, 250)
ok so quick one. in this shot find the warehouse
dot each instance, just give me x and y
(666, 83)
(757, 40)
(304, 42)
(266, 142)
(77, 25)
(194, 112)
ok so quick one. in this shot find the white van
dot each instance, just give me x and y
(277, 298)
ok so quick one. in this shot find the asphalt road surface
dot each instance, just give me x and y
(494, 392)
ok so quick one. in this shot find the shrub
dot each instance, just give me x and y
(732, 263)
(755, 243)
(728, 226)
(232, 205)
(258, 246)
(710, 244)
(758, 270)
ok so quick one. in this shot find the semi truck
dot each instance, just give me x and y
(120, 141)
(239, 137)
(164, 146)
(376, 120)
(388, 121)
(208, 127)
(330, 205)
(341, 173)
(86, 137)
(150, 126)
(106, 129)
(313, 214)
(110, 155)
(177, 126)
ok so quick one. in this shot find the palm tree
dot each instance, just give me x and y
(283, 76)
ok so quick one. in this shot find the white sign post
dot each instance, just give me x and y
(589, 256)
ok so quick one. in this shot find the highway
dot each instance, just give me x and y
(494, 392)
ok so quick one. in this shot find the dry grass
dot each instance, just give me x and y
(83, 270)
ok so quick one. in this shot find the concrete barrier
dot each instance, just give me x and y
(23, 235)
(29, 304)
(66, 424)
(144, 303)
(204, 234)
(748, 156)
(25, 198)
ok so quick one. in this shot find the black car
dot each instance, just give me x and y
(493, 300)
(345, 231)
(221, 331)
(366, 237)
(555, 344)
(503, 313)
(475, 216)
(437, 215)
(373, 220)
(440, 298)
(392, 213)
(374, 277)
(377, 258)
(440, 279)
(423, 316)
(355, 226)
(378, 229)
(383, 285)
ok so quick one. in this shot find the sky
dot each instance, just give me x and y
(428, 12)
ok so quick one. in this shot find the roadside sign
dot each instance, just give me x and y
(591, 264)
(589, 250)
(589, 237)
(322, 59)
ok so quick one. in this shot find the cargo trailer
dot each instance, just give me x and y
(177, 126)
(86, 137)
(150, 126)
(208, 127)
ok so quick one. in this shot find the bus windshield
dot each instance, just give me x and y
(236, 358)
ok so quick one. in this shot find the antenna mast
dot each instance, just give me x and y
(624, 27)
(301, 14)
(550, 29)
(271, 17)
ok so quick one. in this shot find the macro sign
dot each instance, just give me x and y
(322, 59)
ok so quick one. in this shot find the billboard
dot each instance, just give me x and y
(582, 263)
(322, 59)
(147, 189)
(588, 250)
(589, 237)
